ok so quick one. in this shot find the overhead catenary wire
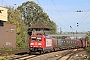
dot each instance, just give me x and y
(3, 3)
(59, 12)
(39, 3)
(84, 15)
(59, 23)
(51, 17)
(82, 20)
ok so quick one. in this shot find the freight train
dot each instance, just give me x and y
(42, 43)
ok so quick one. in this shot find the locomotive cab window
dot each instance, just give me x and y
(33, 38)
(39, 39)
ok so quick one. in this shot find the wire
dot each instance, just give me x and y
(59, 23)
(84, 15)
(39, 3)
(51, 17)
(59, 12)
(82, 20)
(4, 3)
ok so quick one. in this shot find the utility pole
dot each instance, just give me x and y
(60, 30)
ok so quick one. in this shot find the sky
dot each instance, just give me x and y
(62, 12)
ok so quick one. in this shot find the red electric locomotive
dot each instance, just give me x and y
(40, 43)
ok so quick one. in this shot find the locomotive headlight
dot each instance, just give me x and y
(39, 44)
(32, 43)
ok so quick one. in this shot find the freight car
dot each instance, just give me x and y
(43, 43)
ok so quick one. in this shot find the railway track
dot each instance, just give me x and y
(62, 55)
(23, 57)
(26, 56)
(68, 55)
(49, 56)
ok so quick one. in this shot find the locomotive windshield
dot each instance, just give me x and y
(39, 39)
(33, 38)
(36, 38)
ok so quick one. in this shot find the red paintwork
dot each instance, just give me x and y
(84, 43)
(79, 43)
(36, 43)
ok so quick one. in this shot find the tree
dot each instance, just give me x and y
(31, 13)
(14, 17)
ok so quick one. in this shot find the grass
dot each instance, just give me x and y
(6, 55)
(3, 59)
(12, 49)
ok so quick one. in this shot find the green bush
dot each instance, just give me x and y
(3, 59)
